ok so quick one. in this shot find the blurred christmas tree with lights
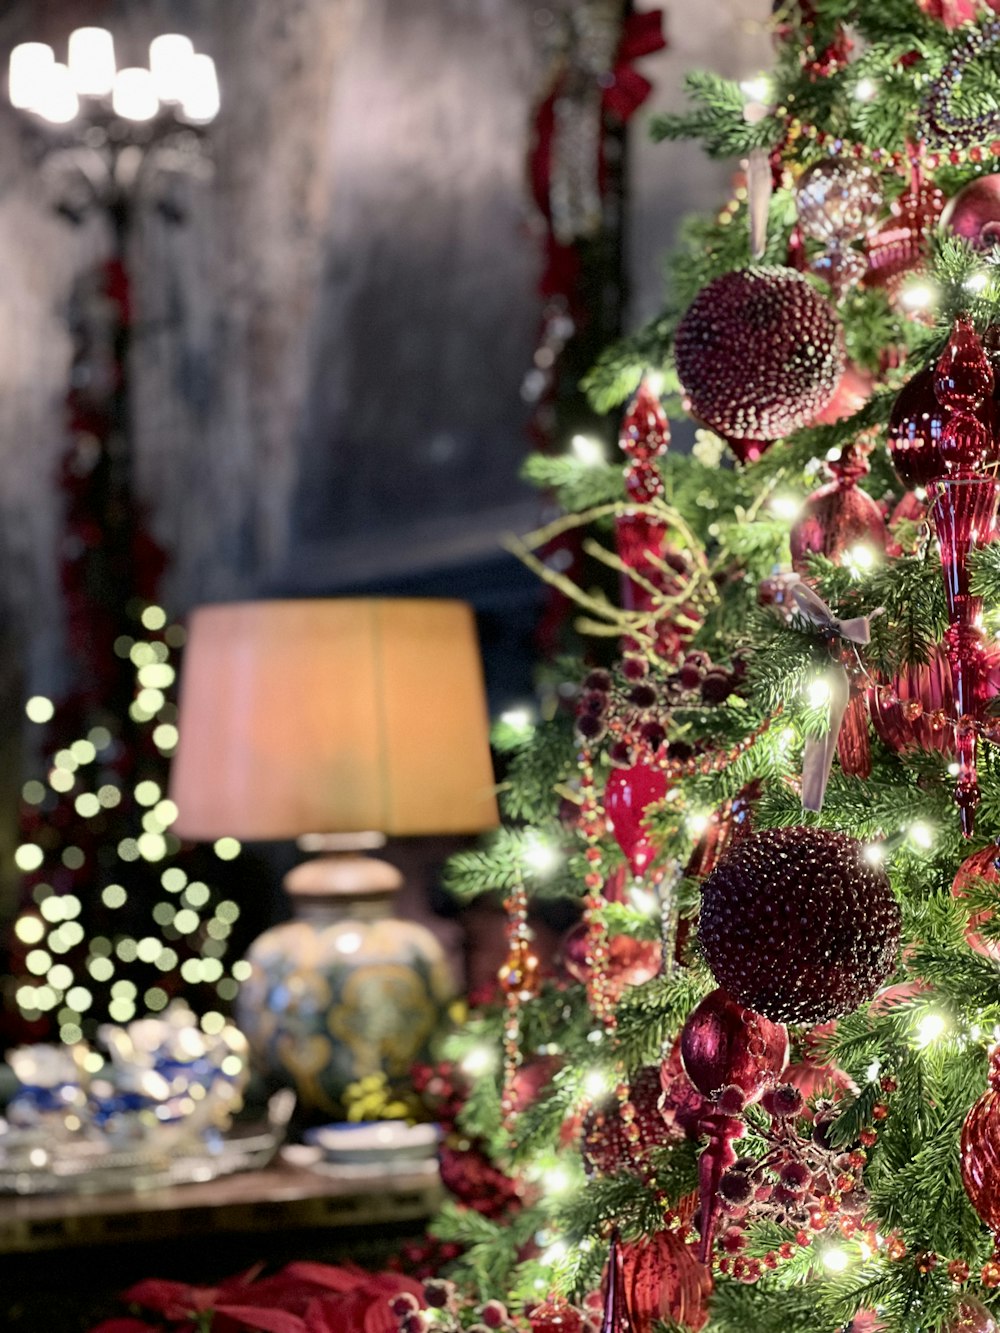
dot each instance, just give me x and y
(116, 918)
(766, 1054)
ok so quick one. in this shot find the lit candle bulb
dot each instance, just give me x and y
(134, 96)
(200, 102)
(29, 67)
(92, 61)
(170, 59)
(56, 100)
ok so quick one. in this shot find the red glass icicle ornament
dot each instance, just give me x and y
(616, 1318)
(980, 1151)
(641, 538)
(724, 1046)
(964, 510)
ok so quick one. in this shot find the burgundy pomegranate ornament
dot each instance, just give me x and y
(797, 924)
(731, 1055)
(759, 353)
(974, 213)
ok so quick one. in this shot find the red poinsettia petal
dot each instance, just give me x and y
(263, 1321)
(348, 1278)
(173, 1299)
(126, 1325)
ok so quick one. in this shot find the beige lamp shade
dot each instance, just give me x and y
(332, 716)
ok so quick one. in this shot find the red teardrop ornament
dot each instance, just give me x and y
(914, 432)
(980, 1151)
(981, 865)
(628, 793)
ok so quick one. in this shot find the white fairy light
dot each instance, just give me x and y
(588, 450)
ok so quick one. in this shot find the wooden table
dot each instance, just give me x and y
(63, 1258)
(285, 1196)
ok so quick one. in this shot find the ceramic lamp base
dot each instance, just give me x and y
(345, 990)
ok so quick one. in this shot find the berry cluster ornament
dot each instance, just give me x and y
(759, 353)
(731, 1055)
(802, 1177)
(797, 924)
(837, 202)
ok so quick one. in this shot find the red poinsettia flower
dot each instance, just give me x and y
(126, 1325)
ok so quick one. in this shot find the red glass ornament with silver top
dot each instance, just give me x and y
(963, 510)
(839, 516)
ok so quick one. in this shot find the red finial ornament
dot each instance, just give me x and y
(641, 538)
(964, 510)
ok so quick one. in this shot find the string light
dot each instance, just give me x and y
(588, 450)
(785, 507)
(921, 835)
(930, 1027)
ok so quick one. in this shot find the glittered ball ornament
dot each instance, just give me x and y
(797, 924)
(979, 1155)
(606, 1144)
(555, 1315)
(971, 1316)
(979, 868)
(974, 213)
(630, 962)
(759, 353)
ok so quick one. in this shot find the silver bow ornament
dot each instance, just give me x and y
(817, 757)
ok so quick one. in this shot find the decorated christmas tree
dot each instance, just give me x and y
(757, 1088)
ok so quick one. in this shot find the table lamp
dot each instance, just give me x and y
(335, 722)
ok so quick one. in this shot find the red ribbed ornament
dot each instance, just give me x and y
(980, 1151)
(923, 696)
(663, 1280)
(981, 865)
(899, 245)
(759, 353)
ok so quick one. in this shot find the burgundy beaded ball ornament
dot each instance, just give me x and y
(760, 352)
(798, 925)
